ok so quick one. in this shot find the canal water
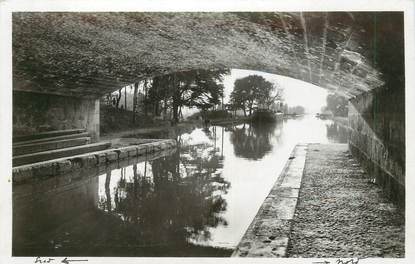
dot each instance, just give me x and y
(197, 200)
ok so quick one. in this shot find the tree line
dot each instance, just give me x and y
(336, 104)
(168, 94)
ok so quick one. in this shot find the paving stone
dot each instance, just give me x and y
(21, 175)
(342, 216)
(64, 166)
(279, 207)
(131, 151)
(142, 150)
(284, 192)
(44, 170)
(122, 153)
(101, 158)
(268, 234)
(111, 156)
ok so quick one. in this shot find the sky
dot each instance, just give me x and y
(295, 93)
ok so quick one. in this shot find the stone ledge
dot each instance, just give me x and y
(64, 165)
(24, 149)
(48, 134)
(40, 140)
(58, 153)
(268, 234)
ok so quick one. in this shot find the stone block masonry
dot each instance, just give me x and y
(310, 47)
(103, 158)
(377, 138)
(268, 234)
(323, 205)
(37, 112)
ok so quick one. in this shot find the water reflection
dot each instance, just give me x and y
(173, 199)
(337, 133)
(253, 141)
(195, 201)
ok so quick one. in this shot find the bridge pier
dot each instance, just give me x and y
(36, 112)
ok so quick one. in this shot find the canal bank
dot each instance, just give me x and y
(186, 202)
(339, 212)
(119, 151)
(268, 234)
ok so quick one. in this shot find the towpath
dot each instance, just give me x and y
(330, 208)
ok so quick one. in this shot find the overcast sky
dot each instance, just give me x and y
(296, 92)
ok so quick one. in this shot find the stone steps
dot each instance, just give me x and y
(58, 153)
(110, 157)
(48, 134)
(64, 137)
(23, 149)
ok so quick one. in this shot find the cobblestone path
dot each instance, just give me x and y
(341, 213)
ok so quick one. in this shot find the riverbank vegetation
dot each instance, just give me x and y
(160, 101)
(336, 105)
(254, 92)
(163, 101)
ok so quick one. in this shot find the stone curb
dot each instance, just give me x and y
(61, 166)
(268, 234)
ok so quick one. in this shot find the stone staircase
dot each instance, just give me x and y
(45, 146)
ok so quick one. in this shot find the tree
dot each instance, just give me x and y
(338, 105)
(117, 103)
(169, 200)
(135, 101)
(295, 110)
(253, 92)
(159, 93)
(253, 141)
(195, 88)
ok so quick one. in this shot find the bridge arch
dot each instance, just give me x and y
(78, 57)
(86, 54)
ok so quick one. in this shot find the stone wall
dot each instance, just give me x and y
(377, 138)
(35, 112)
(377, 117)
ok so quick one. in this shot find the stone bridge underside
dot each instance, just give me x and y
(63, 62)
(90, 54)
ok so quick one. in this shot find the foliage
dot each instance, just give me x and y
(295, 110)
(211, 114)
(338, 105)
(196, 88)
(173, 199)
(261, 116)
(252, 92)
(254, 141)
(218, 114)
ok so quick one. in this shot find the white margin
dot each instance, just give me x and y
(7, 7)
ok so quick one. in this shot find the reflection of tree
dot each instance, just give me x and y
(211, 133)
(107, 190)
(337, 133)
(253, 141)
(177, 198)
